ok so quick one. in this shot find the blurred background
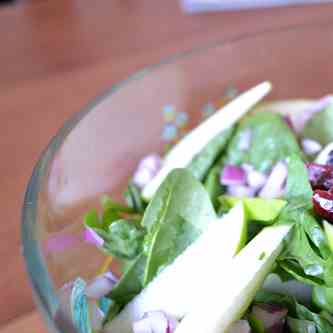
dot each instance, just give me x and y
(56, 56)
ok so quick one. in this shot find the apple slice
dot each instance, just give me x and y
(183, 153)
(182, 283)
(328, 227)
(258, 209)
(230, 292)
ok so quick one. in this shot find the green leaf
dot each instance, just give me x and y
(299, 191)
(296, 271)
(131, 282)
(203, 161)
(108, 203)
(301, 326)
(133, 198)
(322, 324)
(256, 325)
(112, 211)
(113, 309)
(319, 127)
(323, 298)
(285, 301)
(124, 239)
(213, 185)
(299, 249)
(91, 219)
(79, 307)
(178, 213)
(271, 141)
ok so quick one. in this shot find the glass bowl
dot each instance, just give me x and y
(98, 149)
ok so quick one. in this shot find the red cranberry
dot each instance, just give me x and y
(323, 204)
(320, 176)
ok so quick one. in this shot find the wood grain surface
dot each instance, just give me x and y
(55, 56)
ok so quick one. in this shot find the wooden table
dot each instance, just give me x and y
(55, 56)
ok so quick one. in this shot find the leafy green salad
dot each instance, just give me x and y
(230, 231)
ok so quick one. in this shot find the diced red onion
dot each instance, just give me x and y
(232, 175)
(256, 179)
(142, 176)
(101, 286)
(270, 315)
(241, 191)
(240, 326)
(311, 147)
(155, 322)
(90, 236)
(275, 182)
(148, 167)
(151, 162)
(247, 167)
(302, 118)
(244, 142)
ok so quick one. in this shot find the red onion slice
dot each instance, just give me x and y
(90, 236)
(270, 315)
(101, 286)
(155, 322)
(151, 162)
(256, 179)
(241, 191)
(301, 118)
(311, 147)
(148, 167)
(232, 175)
(142, 176)
(275, 182)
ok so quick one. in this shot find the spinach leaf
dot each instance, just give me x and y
(285, 301)
(131, 282)
(306, 255)
(323, 298)
(79, 307)
(213, 185)
(271, 141)
(322, 324)
(299, 191)
(319, 127)
(124, 239)
(179, 212)
(297, 311)
(301, 326)
(299, 250)
(203, 161)
(133, 198)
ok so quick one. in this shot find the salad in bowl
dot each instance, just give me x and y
(230, 231)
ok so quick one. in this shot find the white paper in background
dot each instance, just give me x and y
(197, 6)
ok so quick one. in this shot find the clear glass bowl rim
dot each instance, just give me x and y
(43, 290)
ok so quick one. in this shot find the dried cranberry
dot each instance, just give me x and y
(323, 204)
(320, 176)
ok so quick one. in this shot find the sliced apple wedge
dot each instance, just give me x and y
(230, 292)
(183, 153)
(182, 283)
(328, 227)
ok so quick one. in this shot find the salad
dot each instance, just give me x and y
(230, 231)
